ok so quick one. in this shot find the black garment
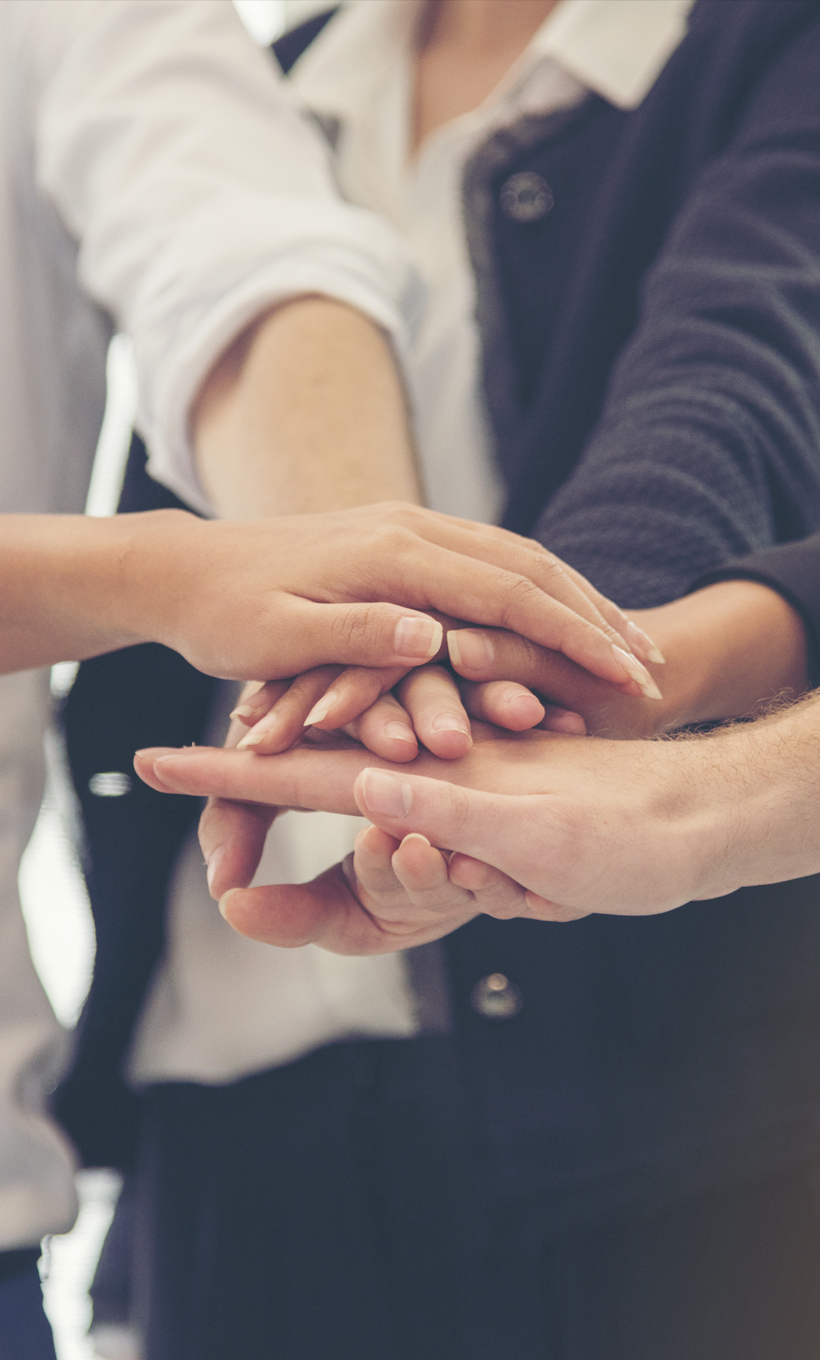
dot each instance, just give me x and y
(360, 1226)
(652, 369)
(320, 1211)
(25, 1333)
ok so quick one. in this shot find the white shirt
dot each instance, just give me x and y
(158, 136)
(221, 1006)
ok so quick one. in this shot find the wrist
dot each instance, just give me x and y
(159, 562)
(729, 647)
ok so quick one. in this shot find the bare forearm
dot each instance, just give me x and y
(759, 796)
(305, 413)
(729, 647)
(72, 587)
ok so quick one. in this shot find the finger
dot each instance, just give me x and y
(498, 895)
(640, 642)
(352, 693)
(324, 912)
(319, 777)
(373, 852)
(482, 654)
(421, 870)
(548, 573)
(550, 610)
(494, 893)
(504, 703)
(408, 883)
(509, 831)
(232, 837)
(432, 700)
(386, 730)
(358, 634)
(279, 728)
(563, 720)
(257, 699)
(144, 766)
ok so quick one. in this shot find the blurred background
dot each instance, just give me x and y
(55, 906)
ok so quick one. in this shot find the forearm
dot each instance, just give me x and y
(729, 647)
(305, 413)
(73, 586)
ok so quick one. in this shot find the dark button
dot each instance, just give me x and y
(526, 197)
(496, 998)
(110, 784)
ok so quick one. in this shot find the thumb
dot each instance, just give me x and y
(450, 816)
(232, 838)
(359, 635)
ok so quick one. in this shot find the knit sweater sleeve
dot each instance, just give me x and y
(708, 445)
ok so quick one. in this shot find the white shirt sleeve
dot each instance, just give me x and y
(177, 156)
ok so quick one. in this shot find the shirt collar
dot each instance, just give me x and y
(616, 48)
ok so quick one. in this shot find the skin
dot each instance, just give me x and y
(543, 826)
(565, 826)
(465, 48)
(272, 597)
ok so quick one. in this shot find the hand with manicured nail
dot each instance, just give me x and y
(542, 826)
(358, 587)
(423, 706)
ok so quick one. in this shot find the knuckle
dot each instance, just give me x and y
(518, 594)
(353, 629)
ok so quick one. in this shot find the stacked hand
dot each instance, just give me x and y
(529, 823)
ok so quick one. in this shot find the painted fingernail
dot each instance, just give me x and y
(638, 673)
(386, 793)
(398, 731)
(320, 710)
(418, 637)
(450, 722)
(473, 650)
(643, 645)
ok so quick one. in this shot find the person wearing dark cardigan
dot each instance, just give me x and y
(610, 1152)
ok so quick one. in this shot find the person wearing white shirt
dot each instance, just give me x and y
(156, 176)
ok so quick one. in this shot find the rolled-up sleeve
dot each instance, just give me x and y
(199, 193)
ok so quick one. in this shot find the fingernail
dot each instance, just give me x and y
(386, 793)
(419, 638)
(320, 710)
(415, 836)
(252, 738)
(470, 649)
(524, 696)
(642, 643)
(224, 901)
(562, 720)
(638, 673)
(399, 732)
(213, 862)
(449, 722)
(243, 711)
